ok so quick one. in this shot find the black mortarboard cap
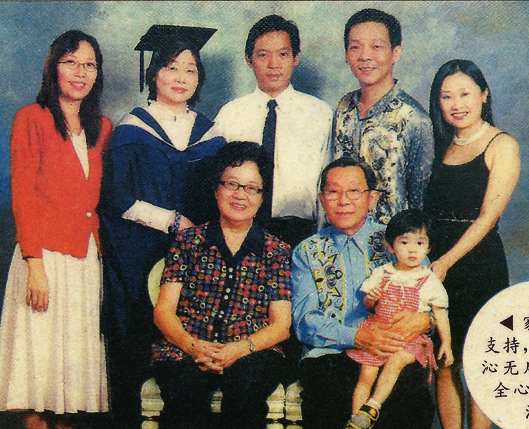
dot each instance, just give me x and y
(165, 36)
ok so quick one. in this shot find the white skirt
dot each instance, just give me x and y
(54, 360)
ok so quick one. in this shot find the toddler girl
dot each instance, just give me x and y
(403, 285)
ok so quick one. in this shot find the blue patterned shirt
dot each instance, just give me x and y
(327, 272)
(395, 139)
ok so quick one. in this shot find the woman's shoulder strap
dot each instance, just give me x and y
(494, 138)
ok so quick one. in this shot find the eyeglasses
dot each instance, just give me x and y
(351, 194)
(74, 65)
(232, 185)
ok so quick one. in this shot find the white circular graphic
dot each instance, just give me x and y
(496, 358)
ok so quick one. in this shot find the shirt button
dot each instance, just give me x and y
(228, 290)
(88, 214)
(226, 297)
(230, 270)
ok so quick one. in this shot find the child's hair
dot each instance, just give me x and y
(406, 221)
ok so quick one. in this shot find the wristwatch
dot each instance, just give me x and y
(252, 345)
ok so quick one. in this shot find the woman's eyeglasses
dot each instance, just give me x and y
(74, 65)
(250, 189)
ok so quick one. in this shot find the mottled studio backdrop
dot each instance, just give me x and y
(493, 34)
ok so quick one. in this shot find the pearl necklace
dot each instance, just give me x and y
(461, 142)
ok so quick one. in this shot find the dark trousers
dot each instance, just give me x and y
(291, 230)
(186, 391)
(129, 365)
(328, 385)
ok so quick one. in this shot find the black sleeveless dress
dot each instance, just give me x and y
(453, 201)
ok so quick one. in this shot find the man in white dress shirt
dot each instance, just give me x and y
(302, 127)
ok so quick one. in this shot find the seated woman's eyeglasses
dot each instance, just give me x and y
(351, 194)
(231, 185)
(74, 65)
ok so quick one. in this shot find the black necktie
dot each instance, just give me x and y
(269, 140)
(269, 131)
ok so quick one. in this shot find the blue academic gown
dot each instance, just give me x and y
(140, 165)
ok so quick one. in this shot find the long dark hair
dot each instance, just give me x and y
(48, 96)
(443, 131)
(162, 58)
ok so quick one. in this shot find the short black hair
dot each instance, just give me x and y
(235, 154)
(375, 15)
(404, 222)
(269, 24)
(162, 58)
(371, 178)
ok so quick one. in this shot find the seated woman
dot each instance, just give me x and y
(224, 304)
(149, 166)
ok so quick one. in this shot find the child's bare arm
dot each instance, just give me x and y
(443, 326)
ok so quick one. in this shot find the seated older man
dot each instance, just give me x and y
(328, 270)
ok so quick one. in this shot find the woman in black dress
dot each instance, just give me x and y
(476, 171)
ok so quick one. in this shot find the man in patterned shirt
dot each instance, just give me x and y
(380, 123)
(327, 272)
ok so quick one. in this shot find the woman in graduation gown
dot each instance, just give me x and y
(149, 187)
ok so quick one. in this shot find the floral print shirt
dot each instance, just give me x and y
(395, 139)
(224, 297)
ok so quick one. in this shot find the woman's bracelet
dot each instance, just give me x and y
(175, 224)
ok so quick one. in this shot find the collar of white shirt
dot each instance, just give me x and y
(282, 99)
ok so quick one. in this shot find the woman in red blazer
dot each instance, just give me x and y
(52, 360)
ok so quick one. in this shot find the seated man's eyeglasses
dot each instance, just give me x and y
(351, 194)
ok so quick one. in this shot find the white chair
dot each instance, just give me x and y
(293, 405)
(151, 401)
